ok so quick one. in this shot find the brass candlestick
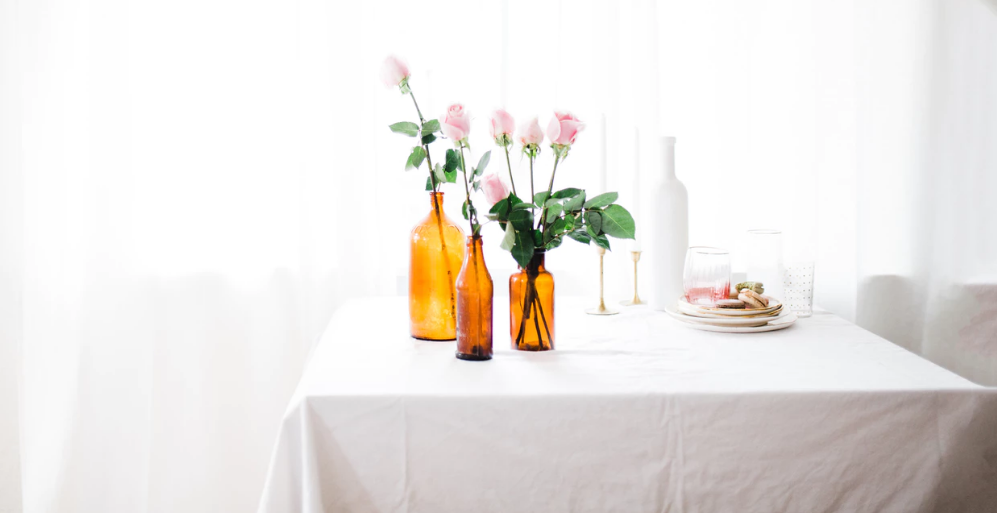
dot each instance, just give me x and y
(601, 310)
(635, 256)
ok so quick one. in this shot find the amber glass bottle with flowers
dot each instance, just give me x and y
(436, 244)
(474, 283)
(538, 225)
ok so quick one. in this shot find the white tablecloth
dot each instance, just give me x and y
(631, 413)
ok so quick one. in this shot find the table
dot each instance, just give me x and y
(631, 413)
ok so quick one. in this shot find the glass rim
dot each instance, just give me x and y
(708, 250)
(764, 231)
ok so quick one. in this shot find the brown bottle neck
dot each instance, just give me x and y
(436, 199)
(474, 247)
(536, 264)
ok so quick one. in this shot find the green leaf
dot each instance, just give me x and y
(514, 200)
(501, 209)
(509, 240)
(483, 163)
(558, 226)
(602, 200)
(521, 219)
(463, 210)
(575, 202)
(428, 138)
(539, 198)
(522, 250)
(580, 236)
(405, 127)
(452, 162)
(617, 222)
(430, 126)
(569, 223)
(553, 212)
(593, 221)
(523, 206)
(602, 242)
(566, 193)
(429, 184)
(438, 173)
(415, 158)
(555, 242)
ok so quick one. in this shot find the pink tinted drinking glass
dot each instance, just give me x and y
(707, 275)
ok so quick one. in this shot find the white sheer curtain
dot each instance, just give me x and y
(190, 188)
(927, 172)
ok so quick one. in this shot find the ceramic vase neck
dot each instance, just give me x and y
(668, 157)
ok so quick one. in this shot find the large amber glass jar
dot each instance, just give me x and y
(435, 256)
(474, 305)
(531, 307)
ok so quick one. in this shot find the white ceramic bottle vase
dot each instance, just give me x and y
(670, 222)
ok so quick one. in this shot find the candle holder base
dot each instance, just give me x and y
(601, 310)
(633, 302)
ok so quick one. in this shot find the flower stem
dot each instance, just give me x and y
(509, 165)
(536, 323)
(472, 216)
(544, 319)
(422, 120)
(429, 161)
(527, 304)
(532, 194)
(543, 215)
(531, 301)
(438, 211)
(437, 208)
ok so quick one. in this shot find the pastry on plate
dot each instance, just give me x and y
(753, 299)
(730, 303)
(752, 285)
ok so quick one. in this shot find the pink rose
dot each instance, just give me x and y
(564, 128)
(494, 188)
(530, 133)
(456, 123)
(502, 127)
(393, 71)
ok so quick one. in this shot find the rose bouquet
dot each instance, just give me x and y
(531, 226)
(541, 222)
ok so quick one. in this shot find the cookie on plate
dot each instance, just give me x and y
(730, 303)
(753, 299)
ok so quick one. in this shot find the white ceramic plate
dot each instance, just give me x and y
(778, 324)
(704, 311)
(745, 322)
(710, 315)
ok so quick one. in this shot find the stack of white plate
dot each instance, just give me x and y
(730, 320)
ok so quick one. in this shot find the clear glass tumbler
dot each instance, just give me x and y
(763, 259)
(799, 283)
(707, 275)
